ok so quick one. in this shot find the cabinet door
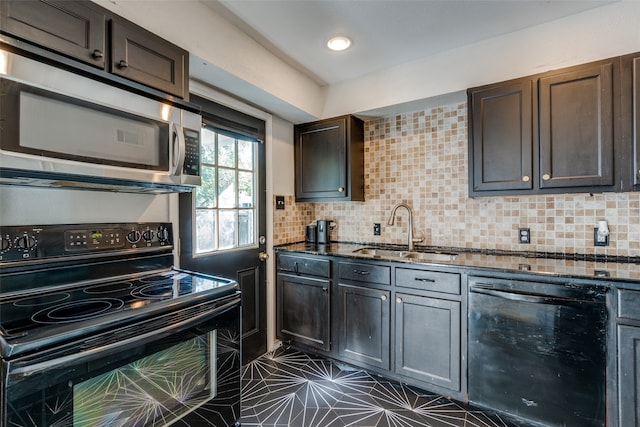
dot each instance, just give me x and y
(428, 338)
(364, 324)
(321, 159)
(303, 310)
(148, 59)
(629, 375)
(636, 120)
(501, 137)
(69, 27)
(576, 128)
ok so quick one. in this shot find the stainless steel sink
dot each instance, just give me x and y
(402, 254)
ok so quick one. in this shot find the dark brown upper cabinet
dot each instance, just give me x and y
(329, 160)
(576, 128)
(144, 57)
(502, 135)
(631, 108)
(84, 31)
(556, 132)
(71, 28)
(636, 120)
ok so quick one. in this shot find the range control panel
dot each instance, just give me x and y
(37, 242)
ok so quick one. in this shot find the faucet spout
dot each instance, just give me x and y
(392, 218)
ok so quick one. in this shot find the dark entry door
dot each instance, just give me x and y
(223, 223)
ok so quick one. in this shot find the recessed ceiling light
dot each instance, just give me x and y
(339, 43)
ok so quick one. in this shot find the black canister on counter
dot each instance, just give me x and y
(310, 233)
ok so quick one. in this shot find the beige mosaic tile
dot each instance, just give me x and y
(420, 158)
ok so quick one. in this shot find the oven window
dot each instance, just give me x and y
(154, 390)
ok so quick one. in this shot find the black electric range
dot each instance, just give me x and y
(83, 303)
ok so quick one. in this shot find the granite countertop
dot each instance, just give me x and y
(556, 265)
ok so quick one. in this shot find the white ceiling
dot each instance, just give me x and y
(385, 33)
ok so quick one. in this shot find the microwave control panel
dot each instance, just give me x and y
(192, 153)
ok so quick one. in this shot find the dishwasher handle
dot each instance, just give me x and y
(523, 296)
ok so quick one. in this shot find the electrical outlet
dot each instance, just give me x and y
(524, 235)
(279, 202)
(376, 229)
(599, 240)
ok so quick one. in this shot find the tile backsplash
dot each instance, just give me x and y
(420, 158)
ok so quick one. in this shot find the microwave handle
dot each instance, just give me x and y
(177, 149)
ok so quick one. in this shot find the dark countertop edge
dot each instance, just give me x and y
(316, 250)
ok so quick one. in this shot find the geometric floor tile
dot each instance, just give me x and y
(288, 388)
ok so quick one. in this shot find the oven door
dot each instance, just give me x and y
(182, 369)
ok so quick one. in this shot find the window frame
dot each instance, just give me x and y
(237, 209)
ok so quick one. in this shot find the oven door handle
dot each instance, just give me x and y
(40, 367)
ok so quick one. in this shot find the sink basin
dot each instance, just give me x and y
(402, 254)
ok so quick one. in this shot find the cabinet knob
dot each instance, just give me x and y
(383, 297)
(525, 178)
(123, 64)
(399, 300)
(638, 172)
(341, 189)
(97, 54)
(546, 177)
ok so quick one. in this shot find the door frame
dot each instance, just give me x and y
(205, 91)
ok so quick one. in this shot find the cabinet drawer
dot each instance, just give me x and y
(428, 280)
(304, 265)
(365, 273)
(629, 304)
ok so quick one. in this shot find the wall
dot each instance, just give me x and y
(40, 206)
(421, 158)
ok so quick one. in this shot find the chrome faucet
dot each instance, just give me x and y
(392, 218)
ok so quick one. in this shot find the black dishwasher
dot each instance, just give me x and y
(538, 350)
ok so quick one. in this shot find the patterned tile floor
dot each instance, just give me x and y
(293, 389)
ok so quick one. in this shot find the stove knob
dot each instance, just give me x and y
(163, 234)
(25, 243)
(133, 236)
(6, 244)
(147, 235)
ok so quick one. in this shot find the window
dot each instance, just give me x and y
(225, 203)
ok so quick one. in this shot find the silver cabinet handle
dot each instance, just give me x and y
(525, 178)
(399, 300)
(362, 272)
(123, 64)
(546, 177)
(97, 54)
(383, 297)
(341, 189)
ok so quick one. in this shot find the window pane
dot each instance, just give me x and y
(227, 229)
(206, 193)
(205, 230)
(226, 151)
(245, 189)
(245, 228)
(227, 188)
(208, 148)
(245, 155)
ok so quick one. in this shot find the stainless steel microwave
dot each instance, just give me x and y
(58, 128)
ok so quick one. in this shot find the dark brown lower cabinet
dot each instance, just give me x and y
(364, 324)
(427, 345)
(629, 376)
(303, 310)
